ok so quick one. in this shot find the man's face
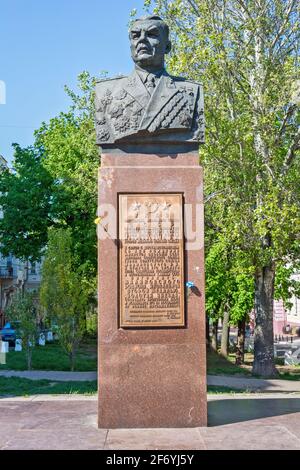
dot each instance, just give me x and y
(148, 44)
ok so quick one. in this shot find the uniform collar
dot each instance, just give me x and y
(143, 74)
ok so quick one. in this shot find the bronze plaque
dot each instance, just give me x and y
(151, 260)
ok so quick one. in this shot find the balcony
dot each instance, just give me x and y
(6, 273)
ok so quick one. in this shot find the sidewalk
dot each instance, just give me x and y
(254, 385)
(237, 422)
(240, 383)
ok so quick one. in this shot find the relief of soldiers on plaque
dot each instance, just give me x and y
(149, 105)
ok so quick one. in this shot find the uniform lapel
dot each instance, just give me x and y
(162, 94)
(135, 88)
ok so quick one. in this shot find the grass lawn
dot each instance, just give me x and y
(16, 386)
(218, 365)
(215, 389)
(52, 357)
(289, 372)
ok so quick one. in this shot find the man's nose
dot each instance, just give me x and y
(143, 37)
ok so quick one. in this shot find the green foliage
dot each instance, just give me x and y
(54, 183)
(63, 291)
(246, 55)
(68, 142)
(286, 286)
(229, 282)
(251, 155)
(26, 201)
(24, 308)
(242, 296)
(92, 322)
(217, 280)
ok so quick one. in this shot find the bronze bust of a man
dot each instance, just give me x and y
(149, 106)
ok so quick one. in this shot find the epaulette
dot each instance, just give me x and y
(185, 80)
(109, 79)
(194, 82)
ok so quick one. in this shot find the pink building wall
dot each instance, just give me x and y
(282, 318)
(279, 317)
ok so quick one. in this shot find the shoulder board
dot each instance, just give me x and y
(110, 79)
(185, 80)
(194, 82)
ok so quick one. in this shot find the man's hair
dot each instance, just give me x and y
(157, 18)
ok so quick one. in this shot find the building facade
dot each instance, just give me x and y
(286, 320)
(16, 275)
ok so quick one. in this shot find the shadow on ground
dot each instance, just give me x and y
(236, 410)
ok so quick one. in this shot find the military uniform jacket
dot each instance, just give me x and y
(127, 111)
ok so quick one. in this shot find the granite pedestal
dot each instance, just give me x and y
(151, 377)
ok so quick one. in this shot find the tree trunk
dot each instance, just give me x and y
(228, 339)
(264, 364)
(214, 337)
(207, 331)
(29, 357)
(71, 359)
(72, 355)
(225, 334)
(240, 346)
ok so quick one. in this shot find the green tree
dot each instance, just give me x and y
(64, 292)
(218, 291)
(54, 183)
(285, 285)
(243, 303)
(25, 309)
(68, 142)
(245, 53)
(25, 200)
(229, 289)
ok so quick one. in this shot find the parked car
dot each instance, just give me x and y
(9, 331)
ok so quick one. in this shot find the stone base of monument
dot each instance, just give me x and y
(152, 350)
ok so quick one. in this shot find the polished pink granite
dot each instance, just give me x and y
(151, 377)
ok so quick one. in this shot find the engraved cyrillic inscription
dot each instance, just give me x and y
(151, 260)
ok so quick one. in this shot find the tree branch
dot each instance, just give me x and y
(291, 153)
(244, 7)
(289, 9)
(291, 109)
(212, 196)
(194, 7)
(286, 47)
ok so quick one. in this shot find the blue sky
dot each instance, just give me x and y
(45, 45)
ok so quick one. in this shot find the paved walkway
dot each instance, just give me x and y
(268, 421)
(254, 385)
(240, 383)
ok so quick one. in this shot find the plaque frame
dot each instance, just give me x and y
(182, 322)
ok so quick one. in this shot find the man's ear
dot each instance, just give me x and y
(168, 47)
